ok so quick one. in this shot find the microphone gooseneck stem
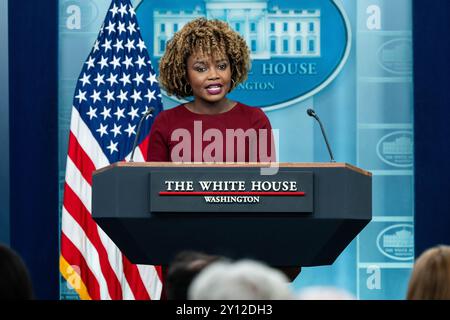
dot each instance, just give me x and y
(139, 131)
(326, 140)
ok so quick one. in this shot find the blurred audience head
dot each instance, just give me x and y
(15, 283)
(324, 293)
(185, 266)
(430, 279)
(241, 280)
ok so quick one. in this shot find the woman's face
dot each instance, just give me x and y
(209, 78)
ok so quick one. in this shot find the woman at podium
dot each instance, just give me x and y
(206, 60)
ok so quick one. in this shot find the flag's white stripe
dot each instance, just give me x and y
(78, 184)
(152, 282)
(82, 188)
(87, 141)
(127, 294)
(138, 156)
(76, 234)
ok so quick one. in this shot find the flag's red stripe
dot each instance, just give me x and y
(131, 271)
(160, 274)
(74, 257)
(134, 280)
(78, 211)
(144, 146)
(80, 158)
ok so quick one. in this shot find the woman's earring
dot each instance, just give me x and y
(187, 90)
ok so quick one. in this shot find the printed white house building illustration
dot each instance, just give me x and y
(401, 146)
(270, 33)
(401, 239)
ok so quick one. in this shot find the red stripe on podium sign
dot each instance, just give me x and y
(212, 193)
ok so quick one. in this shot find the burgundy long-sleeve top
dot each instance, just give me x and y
(242, 134)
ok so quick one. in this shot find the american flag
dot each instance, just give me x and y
(116, 87)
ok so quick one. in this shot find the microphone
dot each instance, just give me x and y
(313, 114)
(148, 113)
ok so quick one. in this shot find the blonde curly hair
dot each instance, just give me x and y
(212, 38)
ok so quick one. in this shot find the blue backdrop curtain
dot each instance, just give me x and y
(33, 140)
(431, 116)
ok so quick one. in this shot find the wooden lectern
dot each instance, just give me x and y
(304, 215)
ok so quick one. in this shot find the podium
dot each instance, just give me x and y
(304, 215)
